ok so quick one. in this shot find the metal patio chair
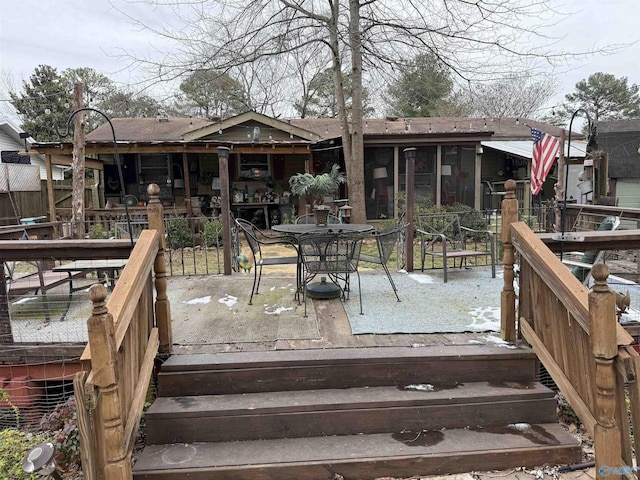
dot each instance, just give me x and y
(334, 253)
(258, 239)
(443, 237)
(310, 218)
(386, 240)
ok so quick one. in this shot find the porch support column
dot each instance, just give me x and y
(508, 295)
(410, 167)
(187, 183)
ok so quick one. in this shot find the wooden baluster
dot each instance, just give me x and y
(508, 295)
(6, 335)
(155, 214)
(602, 329)
(104, 367)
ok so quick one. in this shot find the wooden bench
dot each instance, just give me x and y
(442, 236)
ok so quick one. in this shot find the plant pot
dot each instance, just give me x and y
(321, 214)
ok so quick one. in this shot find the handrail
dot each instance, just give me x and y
(122, 301)
(575, 334)
(125, 332)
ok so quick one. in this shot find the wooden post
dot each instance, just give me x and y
(86, 435)
(187, 183)
(104, 368)
(155, 214)
(410, 168)
(508, 295)
(51, 199)
(602, 329)
(559, 187)
(77, 210)
(225, 208)
(6, 335)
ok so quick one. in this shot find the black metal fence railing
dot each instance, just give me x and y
(194, 244)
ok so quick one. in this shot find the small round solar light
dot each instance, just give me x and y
(41, 461)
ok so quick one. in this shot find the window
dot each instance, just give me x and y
(253, 165)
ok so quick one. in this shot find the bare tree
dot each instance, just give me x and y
(474, 39)
(518, 95)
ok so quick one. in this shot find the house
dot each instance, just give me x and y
(12, 143)
(620, 139)
(21, 175)
(459, 160)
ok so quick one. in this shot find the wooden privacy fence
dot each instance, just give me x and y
(576, 336)
(124, 339)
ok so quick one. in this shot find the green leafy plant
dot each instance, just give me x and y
(212, 233)
(97, 232)
(61, 425)
(179, 233)
(14, 445)
(316, 187)
(4, 396)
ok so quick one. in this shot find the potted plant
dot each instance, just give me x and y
(316, 187)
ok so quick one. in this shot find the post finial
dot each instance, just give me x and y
(98, 295)
(153, 190)
(600, 272)
(510, 188)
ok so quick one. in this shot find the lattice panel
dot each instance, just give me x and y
(19, 178)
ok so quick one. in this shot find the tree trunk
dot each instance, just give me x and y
(339, 86)
(77, 196)
(355, 168)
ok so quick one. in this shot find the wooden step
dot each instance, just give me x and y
(309, 413)
(247, 372)
(401, 454)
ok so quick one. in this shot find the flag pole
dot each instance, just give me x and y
(571, 237)
(559, 186)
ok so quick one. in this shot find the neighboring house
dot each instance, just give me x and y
(620, 139)
(11, 145)
(21, 176)
(459, 160)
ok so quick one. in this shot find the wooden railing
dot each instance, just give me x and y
(576, 336)
(124, 339)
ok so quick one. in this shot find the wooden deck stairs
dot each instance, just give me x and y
(352, 413)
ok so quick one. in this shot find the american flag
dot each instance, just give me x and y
(545, 149)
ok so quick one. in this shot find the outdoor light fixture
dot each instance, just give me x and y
(223, 152)
(41, 460)
(24, 136)
(409, 153)
(117, 156)
(569, 236)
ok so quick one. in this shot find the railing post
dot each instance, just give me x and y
(602, 329)
(155, 215)
(508, 295)
(104, 368)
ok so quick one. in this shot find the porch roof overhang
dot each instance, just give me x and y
(105, 148)
(418, 139)
(524, 148)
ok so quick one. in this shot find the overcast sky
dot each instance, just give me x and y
(91, 33)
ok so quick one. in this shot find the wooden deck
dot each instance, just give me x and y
(335, 332)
